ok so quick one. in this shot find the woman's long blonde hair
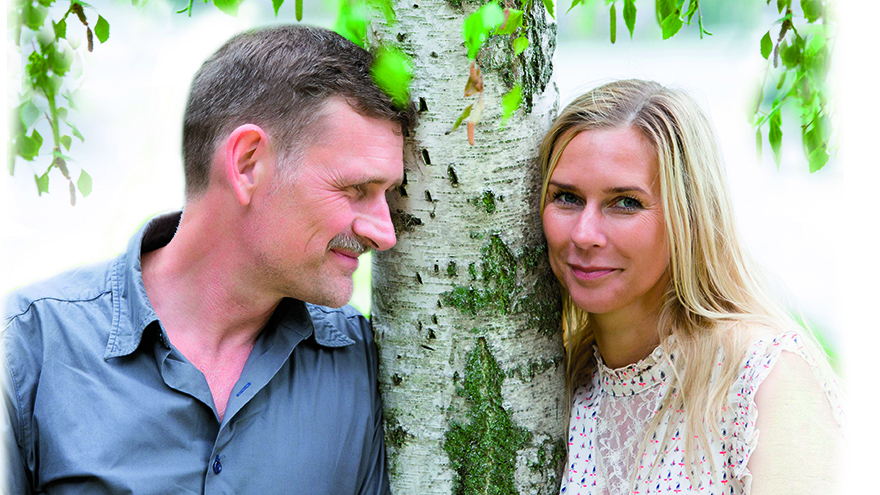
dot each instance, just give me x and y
(715, 287)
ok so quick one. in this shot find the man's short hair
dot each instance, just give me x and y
(277, 78)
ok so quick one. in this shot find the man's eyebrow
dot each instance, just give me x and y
(368, 180)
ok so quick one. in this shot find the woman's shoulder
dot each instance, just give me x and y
(794, 401)
(764, 347)
(790, 357)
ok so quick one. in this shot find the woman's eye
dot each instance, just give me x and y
(628, 203)
(566, 198)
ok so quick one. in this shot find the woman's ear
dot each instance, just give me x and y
(249, 161)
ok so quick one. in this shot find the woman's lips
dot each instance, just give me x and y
(591, 272)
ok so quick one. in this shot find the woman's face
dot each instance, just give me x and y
(604, 224)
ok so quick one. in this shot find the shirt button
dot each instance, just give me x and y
(217, 466)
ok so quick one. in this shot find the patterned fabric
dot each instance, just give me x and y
(611, 414)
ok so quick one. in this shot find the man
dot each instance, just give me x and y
(208, 358)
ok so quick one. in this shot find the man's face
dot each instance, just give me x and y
(333, 208)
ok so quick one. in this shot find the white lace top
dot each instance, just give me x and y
(610, 415)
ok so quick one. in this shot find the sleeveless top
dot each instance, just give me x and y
(611, 413)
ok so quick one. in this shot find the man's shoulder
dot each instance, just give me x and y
(346, 321)
(82, 284)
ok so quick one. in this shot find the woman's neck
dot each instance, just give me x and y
(624, 339)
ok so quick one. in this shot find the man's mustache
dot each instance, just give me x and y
(348, 243)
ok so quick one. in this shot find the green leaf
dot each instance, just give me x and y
(775, 137)
(29, 113)
(548, 4)
(816, 44)
(84, 183)
(670, 25)
(60, 29)
(66, 141)
(818, 158)
(55, 83)
(76, 133)
(276, 4)
(392, 71)
(228, 7)
(29, 147)
(814, 132)
(759, 144)
(352, 22)
(520, 44)
(34, 15)
(613, 21)
(464, 115)
(791, 55)
(781, 80)
(510, 103)
(812, 10)
(102, 29)
(298, 6)
(666, 8)
(816, 56)
(61, 60)
(514, 21)
(692, 9)
(766, 46)
(478, 25)
(71, 99)
(42, 183)
(782, 5)
(629, 15)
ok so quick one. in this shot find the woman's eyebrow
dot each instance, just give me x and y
(560, 185)
(624, 189)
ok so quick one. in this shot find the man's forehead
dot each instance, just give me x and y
(338, 114)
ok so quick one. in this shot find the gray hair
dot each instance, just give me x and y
(279, 79)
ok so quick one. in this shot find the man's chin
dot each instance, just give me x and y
(335, 299)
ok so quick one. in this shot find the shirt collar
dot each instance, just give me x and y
(133, 313)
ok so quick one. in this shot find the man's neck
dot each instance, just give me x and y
(213, 318)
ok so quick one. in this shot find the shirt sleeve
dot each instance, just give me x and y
(15, 480)
(800, 444)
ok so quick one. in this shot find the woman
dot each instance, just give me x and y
(677, 356)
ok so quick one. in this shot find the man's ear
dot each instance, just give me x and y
(249, 161)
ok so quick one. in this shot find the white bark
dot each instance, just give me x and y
(424, 344)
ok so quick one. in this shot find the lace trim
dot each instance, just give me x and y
(636, 378)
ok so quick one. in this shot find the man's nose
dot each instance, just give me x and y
(375, 227)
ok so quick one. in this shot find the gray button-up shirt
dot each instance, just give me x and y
(97, 400)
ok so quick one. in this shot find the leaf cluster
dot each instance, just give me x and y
(46, 96)
(491, 20)
(798, 61)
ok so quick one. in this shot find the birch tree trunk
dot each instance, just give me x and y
(465, 307)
